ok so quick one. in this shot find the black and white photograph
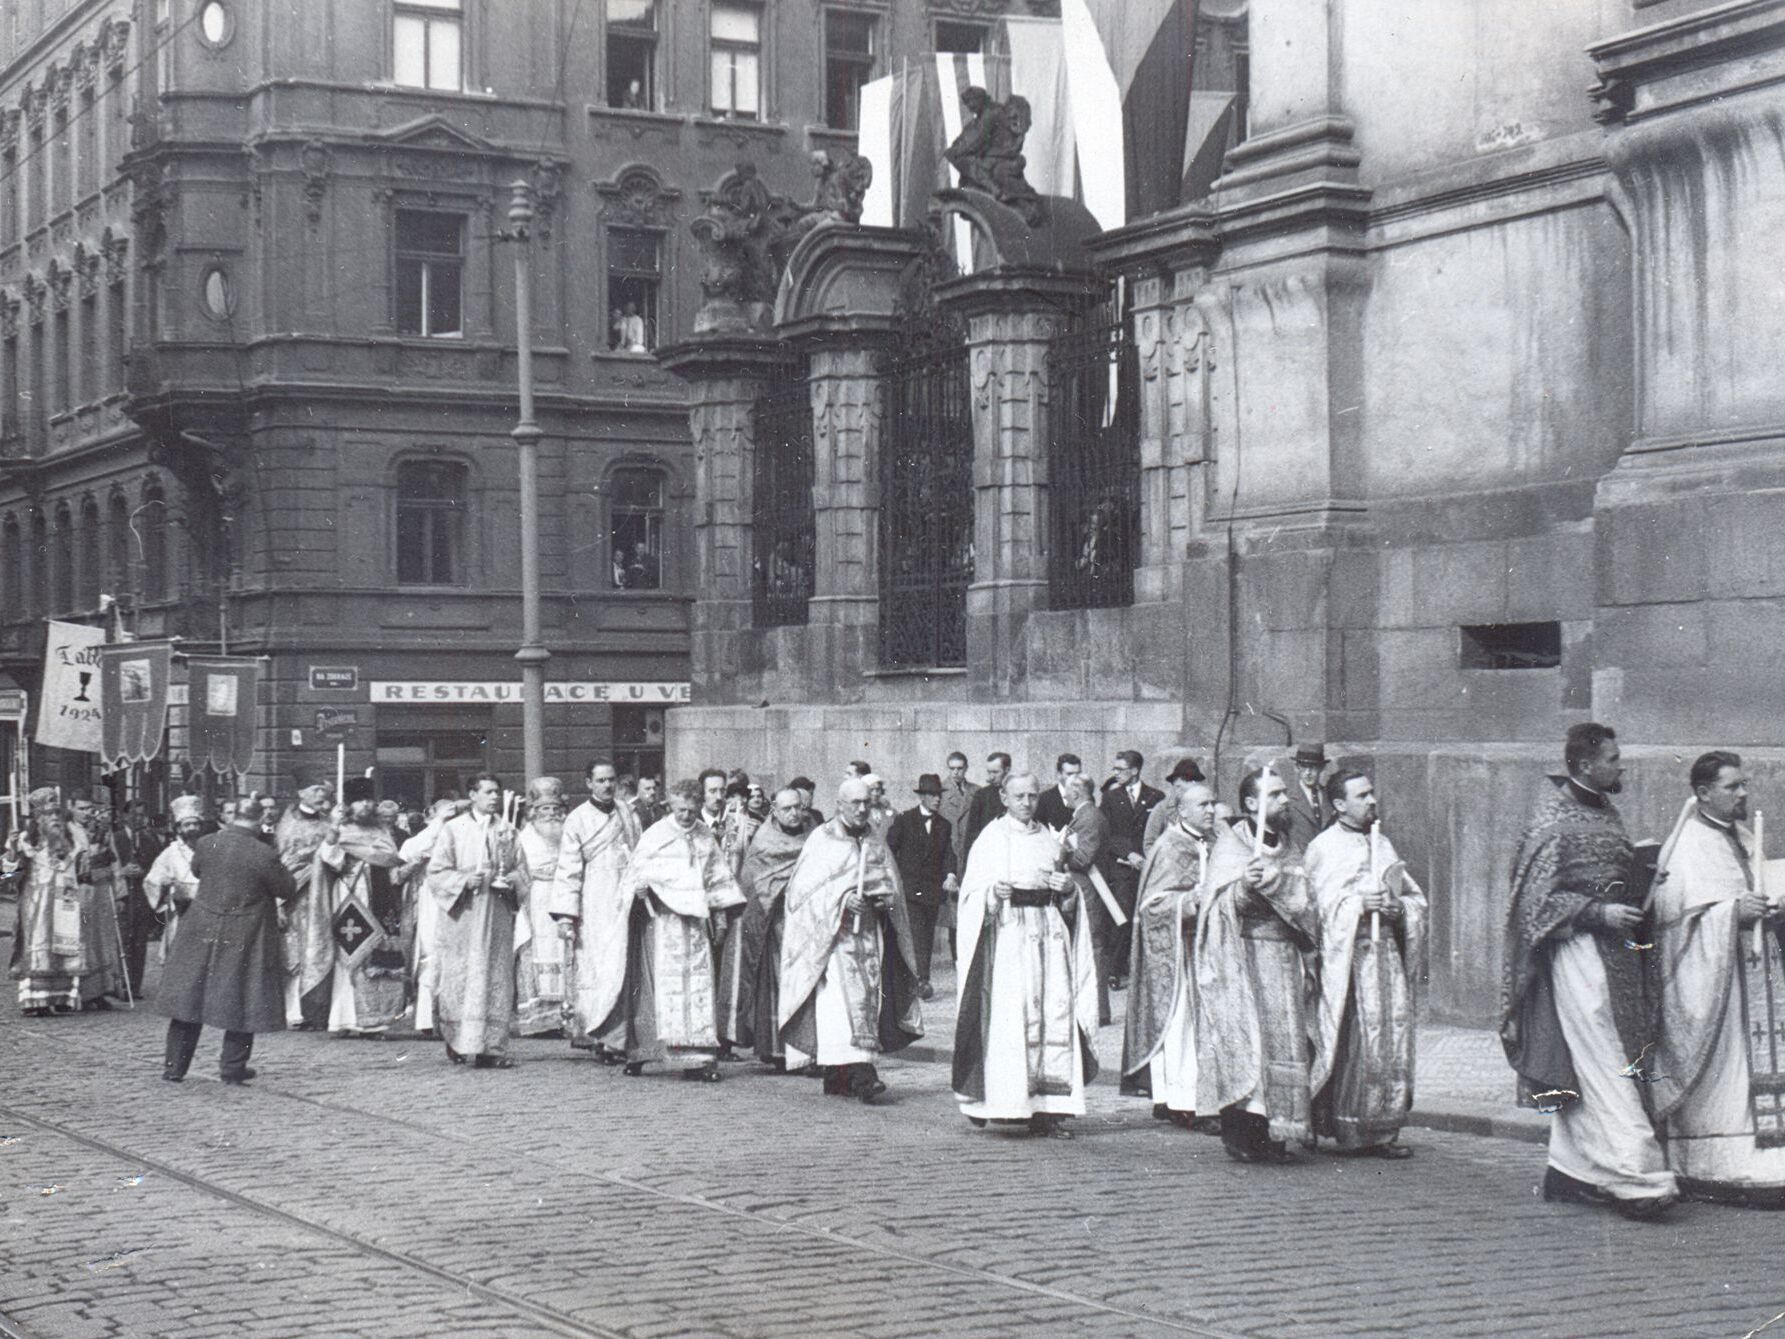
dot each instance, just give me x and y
(892, 669)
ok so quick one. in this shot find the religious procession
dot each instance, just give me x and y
(1271, 952)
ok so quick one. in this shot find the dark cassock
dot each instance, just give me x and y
(677, 882)
(1362, 1077)
(473, 874)
(308, 938)
(1575, 1010)
(226, 968)
(1253, 995)
(1159, 1034)
(848, 977)
(750, 980)
(1027, 1008)
(1720, 1087)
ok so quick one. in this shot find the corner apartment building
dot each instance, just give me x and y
(259, 355)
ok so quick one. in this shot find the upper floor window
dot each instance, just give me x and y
(632, 54)
(633, 280)
(736, 51)
(428, 43)
(430, 523)
(966, 39)
(850, 42)
(635, 528)
(430, 273)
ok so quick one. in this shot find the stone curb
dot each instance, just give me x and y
(1449, 1117)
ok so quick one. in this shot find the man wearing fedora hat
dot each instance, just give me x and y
(922, 846)
(1309, 811)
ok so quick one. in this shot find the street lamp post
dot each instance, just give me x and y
(526, 434)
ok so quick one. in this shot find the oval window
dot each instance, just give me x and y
(213, 22)
(217, 293)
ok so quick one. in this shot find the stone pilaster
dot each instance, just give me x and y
(1690, 524)
(1011, 318)
(725, 376)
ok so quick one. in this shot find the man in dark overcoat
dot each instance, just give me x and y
(922, 845)
(225, 968)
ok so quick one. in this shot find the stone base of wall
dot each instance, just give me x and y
(1454, 811)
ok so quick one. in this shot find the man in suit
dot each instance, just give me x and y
(1127, 803)
(988, 802)
(226, 969)
(1309, 811)
(957, 797)
(922, 846)
(1054, 808)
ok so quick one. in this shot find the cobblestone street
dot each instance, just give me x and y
(369, 1189)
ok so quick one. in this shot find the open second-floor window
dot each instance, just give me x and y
(428, 43)
(736, 52)
(430, 523)
(633, 280)
(635, 528)
(850, 41)
(430, 273)
(632, 54)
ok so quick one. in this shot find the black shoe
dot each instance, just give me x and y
(454, 1056)
(977, 1122)
(707, 1073)
(634, 1069)
(238, 1075)
(1161, 1111)
(1391, 1152)
(1206, 1124)
(98, 1006)
(865, 1084)
(731, 1057)
(1559, 1187)
(925, 991)
(173, 1075)
(1049, 1127)
(492, 1062)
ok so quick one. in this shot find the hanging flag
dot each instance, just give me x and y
(68, 712)
(220, 709)
(133, 680)
(1129, 63)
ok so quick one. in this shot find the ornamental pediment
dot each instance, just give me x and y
(438, 134)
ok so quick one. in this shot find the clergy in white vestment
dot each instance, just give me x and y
(678, 879)
(1027, 1009)
(1719, 1094)
(170, 885)
(593, 853)
(1159, 1042)
(420, 911)
(539, 950)
(848, 982)
(1372, 945)
(358, 877)
(473, 875)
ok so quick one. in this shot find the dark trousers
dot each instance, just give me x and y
(138, 925)
(923, 933)
(1113, 942)
(182, 1041)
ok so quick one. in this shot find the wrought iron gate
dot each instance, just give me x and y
(926, 497)
(1094, 464)
(785, 529)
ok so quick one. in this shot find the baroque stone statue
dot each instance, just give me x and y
(988, 153)
(748, 232)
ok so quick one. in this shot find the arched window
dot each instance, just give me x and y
(117, 545)
(88, 554)
(635, 527)
(12, 572)
(151, 525)
(62, 562)
(431, 523)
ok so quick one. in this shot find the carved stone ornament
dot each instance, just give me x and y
(114, 36)
(9, 314)
(31, 106)
(55, 86)
(9, 129)
(747, 234)
(548, 188)
(114, 248)
(988, 153)
(35, 292)
(637, 198)
(315, 162)
(59, 280)
(86, 270)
